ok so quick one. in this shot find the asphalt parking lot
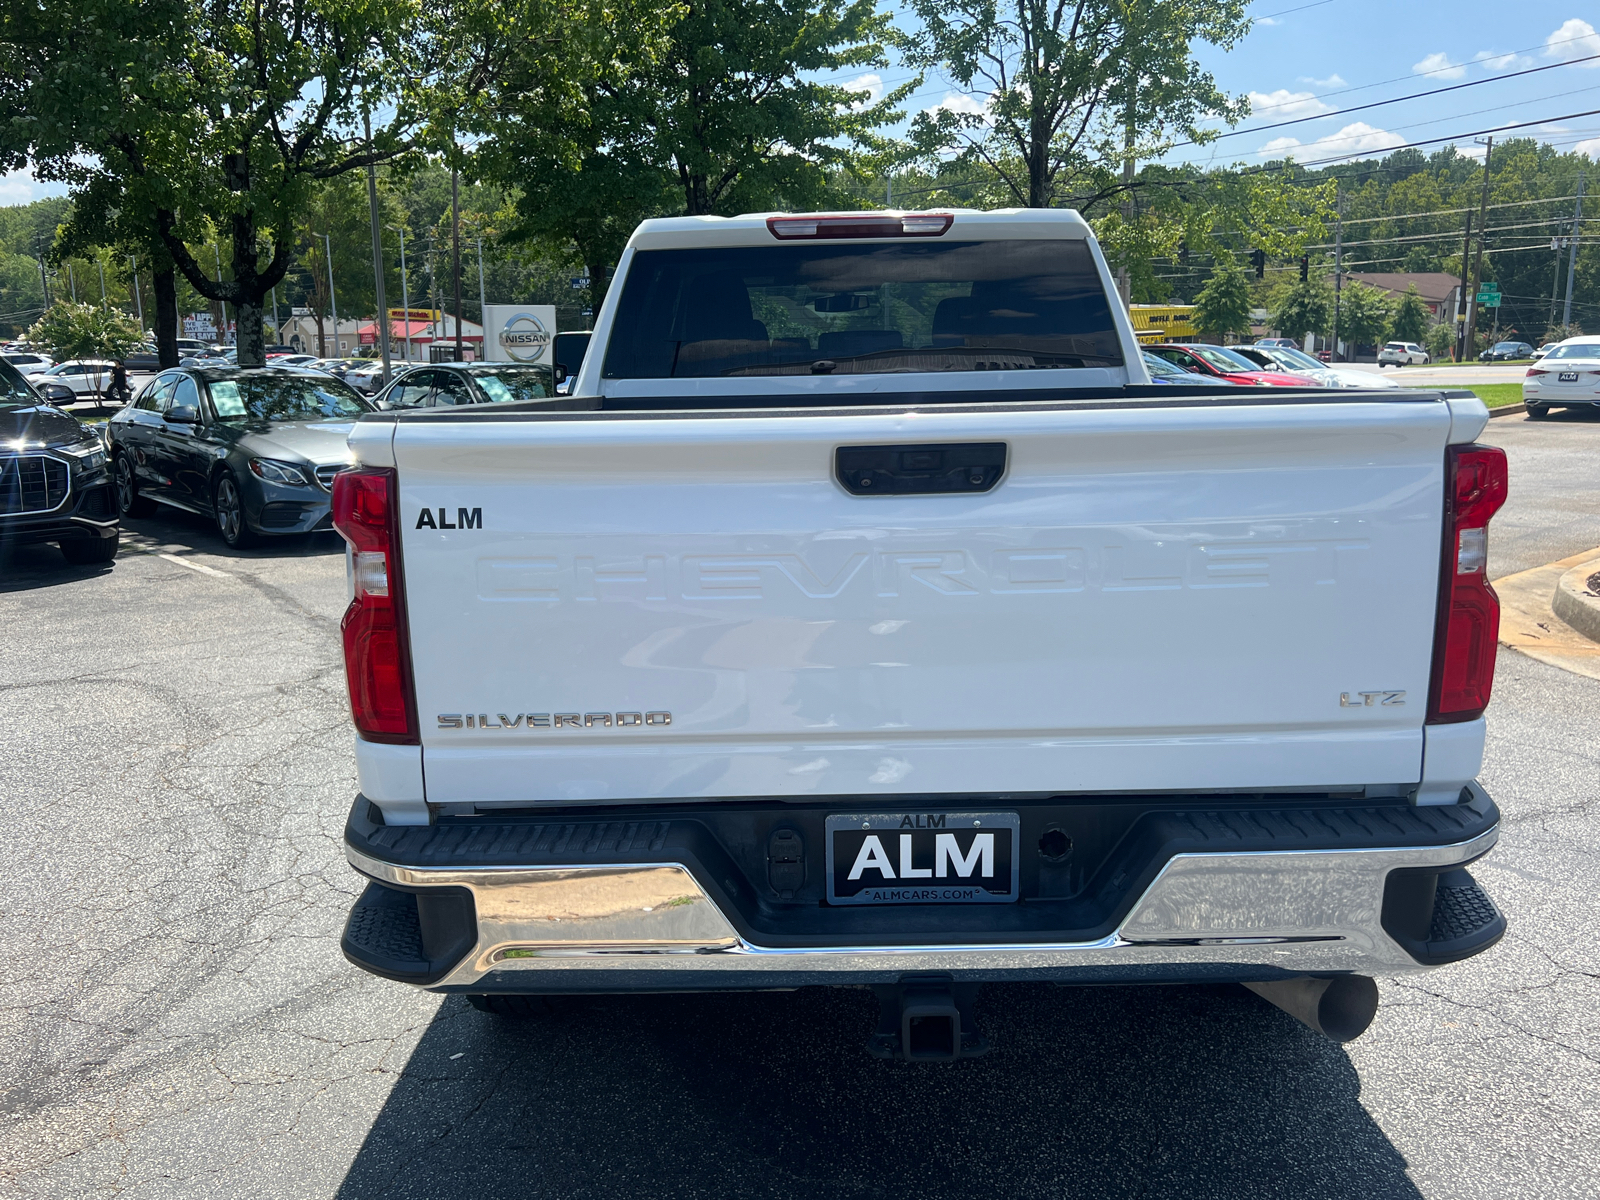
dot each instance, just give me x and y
(176, 1019)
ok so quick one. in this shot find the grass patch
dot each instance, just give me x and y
(1497, 395)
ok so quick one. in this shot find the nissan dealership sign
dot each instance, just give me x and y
(519, 332)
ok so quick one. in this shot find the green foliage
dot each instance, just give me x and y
(173, 119)
(70, 330)
(1560, 333)
(1302, 308)
(1440, 339)
(652, 108)
(1053, 98)
(1223, 305)
(1411, 317)
(1365, 314)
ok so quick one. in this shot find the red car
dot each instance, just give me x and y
(1220, 363)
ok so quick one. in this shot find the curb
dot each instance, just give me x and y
(1507, 410)
(1528, 624)
(1575, 603)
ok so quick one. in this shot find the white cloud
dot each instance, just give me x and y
(1266, 21)
(871, 83)
(1283, 104)
(1591, 148)
(1440, 66)
(1353, 140)
(1575, 39)
(1331, 81)
(20, 187)
(960, 102)
(1502, 62)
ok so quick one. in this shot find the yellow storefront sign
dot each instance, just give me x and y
(1154, 323)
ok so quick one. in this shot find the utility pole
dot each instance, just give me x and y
(72, 282)
(333, 300)
(1461, 318)
(1477, 265)
(1558, 245)
(138, 299)
(277, 330)
(380, 327)
(1572, 259)
(455, 247)
(99, 263)
(1338, 264)
(405, 295)
(44, 282)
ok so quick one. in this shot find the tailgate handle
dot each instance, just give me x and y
(941, 469)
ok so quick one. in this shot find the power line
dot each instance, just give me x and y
(1455, 87)
(1286, 11)
(1387, 150)
(1363, 87)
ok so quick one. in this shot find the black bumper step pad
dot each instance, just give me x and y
(412, 936)
(1117, 847)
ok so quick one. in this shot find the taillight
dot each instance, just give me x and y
(377, 657)
(1536, 371)
(1468, 623)
(860, 225)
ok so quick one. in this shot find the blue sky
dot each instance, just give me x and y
(1313, 58)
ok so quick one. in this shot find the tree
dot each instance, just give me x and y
(1365, 314)
(710, 106)
(1411, 317)
(1303, 307)
(1223, 305)
(1440, 339)
(1059, 92)
(222, 116)
(69, 330)
(81, 85)
(741, 117)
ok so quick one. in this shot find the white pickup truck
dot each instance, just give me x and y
(867, 617)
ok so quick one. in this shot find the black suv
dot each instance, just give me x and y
(54, 486)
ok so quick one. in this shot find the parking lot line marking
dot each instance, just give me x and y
(194, 566)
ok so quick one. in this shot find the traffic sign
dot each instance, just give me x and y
(1489, 299)
(1491, 288)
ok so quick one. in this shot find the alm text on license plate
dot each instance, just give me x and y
(922, 858)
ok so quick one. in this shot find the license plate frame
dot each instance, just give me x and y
(1566, 377)
(846, 836)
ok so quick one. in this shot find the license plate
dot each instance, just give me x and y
(1567, 377)
(922, 858)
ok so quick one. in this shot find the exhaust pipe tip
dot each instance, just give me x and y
(1340, 1008)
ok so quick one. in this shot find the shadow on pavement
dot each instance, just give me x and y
(1153, 1092)
(41, 565)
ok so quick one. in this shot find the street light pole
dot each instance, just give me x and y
(138, 298)
(333, 300)
(455, 247)
(380, 327)
(405, 294)
(1338, 268)
(483, 306)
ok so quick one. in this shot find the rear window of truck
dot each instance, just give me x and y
(863, 308)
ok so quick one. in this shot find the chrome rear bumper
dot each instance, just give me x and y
(651, 926)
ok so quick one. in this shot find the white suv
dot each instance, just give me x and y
(1401, 354)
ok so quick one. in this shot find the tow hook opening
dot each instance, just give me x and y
(927, 1018)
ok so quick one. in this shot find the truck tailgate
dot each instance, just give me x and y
(1152, 597)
